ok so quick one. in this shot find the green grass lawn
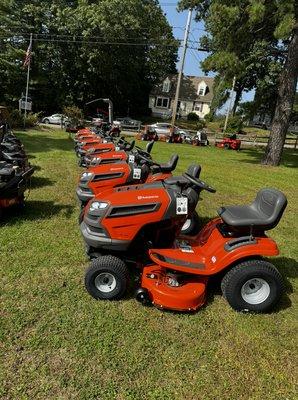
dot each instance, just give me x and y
(57, 342)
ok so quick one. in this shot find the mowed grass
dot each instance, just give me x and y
(58, 343)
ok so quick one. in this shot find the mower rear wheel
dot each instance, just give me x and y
(253, 285)
(107, 278)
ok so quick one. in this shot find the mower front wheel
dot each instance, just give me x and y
(192, 225)
(253, 285)
(107, 278)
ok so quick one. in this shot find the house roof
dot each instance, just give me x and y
(188, 89)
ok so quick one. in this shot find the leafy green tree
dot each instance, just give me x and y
(88, 49)
(254, 40)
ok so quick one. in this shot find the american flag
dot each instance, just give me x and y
(27, 60)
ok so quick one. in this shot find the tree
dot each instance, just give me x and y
(88, 49)
(250, 39)
(284, 105)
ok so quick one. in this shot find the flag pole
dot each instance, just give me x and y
(27, 86)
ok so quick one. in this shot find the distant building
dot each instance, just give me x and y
(196, 94)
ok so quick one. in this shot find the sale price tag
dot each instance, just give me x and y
(131, 158)
(181, 206)
(137, 173)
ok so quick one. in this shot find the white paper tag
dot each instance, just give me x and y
(137, 173)
(117, 148)
(181, 206)
(104, 141)
(131, 158)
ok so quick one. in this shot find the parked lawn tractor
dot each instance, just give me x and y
(141, 225)
(113, 157)
(15, 170)
(148, 134)
(200, 139)
(230, 143)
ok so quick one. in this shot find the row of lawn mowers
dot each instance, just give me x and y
(15, 170)
(137, 216)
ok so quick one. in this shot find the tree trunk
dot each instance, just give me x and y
(284, 104)
(237, 99)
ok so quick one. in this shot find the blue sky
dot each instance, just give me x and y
(193, 57)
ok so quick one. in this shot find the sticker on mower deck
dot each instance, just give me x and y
(137, 173)
(181, 206)
(131, 158)
(104, 141)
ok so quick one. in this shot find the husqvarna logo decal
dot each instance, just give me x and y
(147, 197)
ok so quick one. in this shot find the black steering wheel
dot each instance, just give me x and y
(147, 160)
(142, 152)
(199, 183)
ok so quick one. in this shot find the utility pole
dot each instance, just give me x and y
(28, 55)
(186, 33)
(230, 105)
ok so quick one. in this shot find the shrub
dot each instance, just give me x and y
(16, 119)
(192, 116)
(201, 124)
(75, 115)
(234, 125)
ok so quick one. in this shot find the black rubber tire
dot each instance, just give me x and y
(46, 121)
(194, 226)
(236, 277)
(226, 146)
(115, 267)
(81, 215)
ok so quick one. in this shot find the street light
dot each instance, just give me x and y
(110, 107)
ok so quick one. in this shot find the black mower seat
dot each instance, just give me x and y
(263, 214)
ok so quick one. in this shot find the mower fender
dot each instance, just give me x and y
(210, 252)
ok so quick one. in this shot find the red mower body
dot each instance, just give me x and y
(101, 177)
(199, 257)
(227, 143)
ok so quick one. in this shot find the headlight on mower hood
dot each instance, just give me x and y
(87, 176)
(98, 205)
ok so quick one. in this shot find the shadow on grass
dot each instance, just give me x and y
(39, 181)
(35, 210)
(40, 143)
(254, 156)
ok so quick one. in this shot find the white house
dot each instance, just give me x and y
(196, 94)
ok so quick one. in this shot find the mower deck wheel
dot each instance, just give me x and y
(252, 285)
(107, 278)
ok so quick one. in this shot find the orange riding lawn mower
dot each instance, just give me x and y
(133, 217)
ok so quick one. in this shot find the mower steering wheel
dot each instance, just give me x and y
(142, 152)
(199, 183)
(148, 160)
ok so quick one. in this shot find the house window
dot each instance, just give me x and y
(166, 86)
(202, 89)
(162, 102)
(199, 107)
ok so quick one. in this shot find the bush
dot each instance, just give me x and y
(193, 117)
(16, 119)
(32, 119)
(75, 115)
(234, 125)
(201, 124)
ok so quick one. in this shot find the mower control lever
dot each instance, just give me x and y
(199, 183)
